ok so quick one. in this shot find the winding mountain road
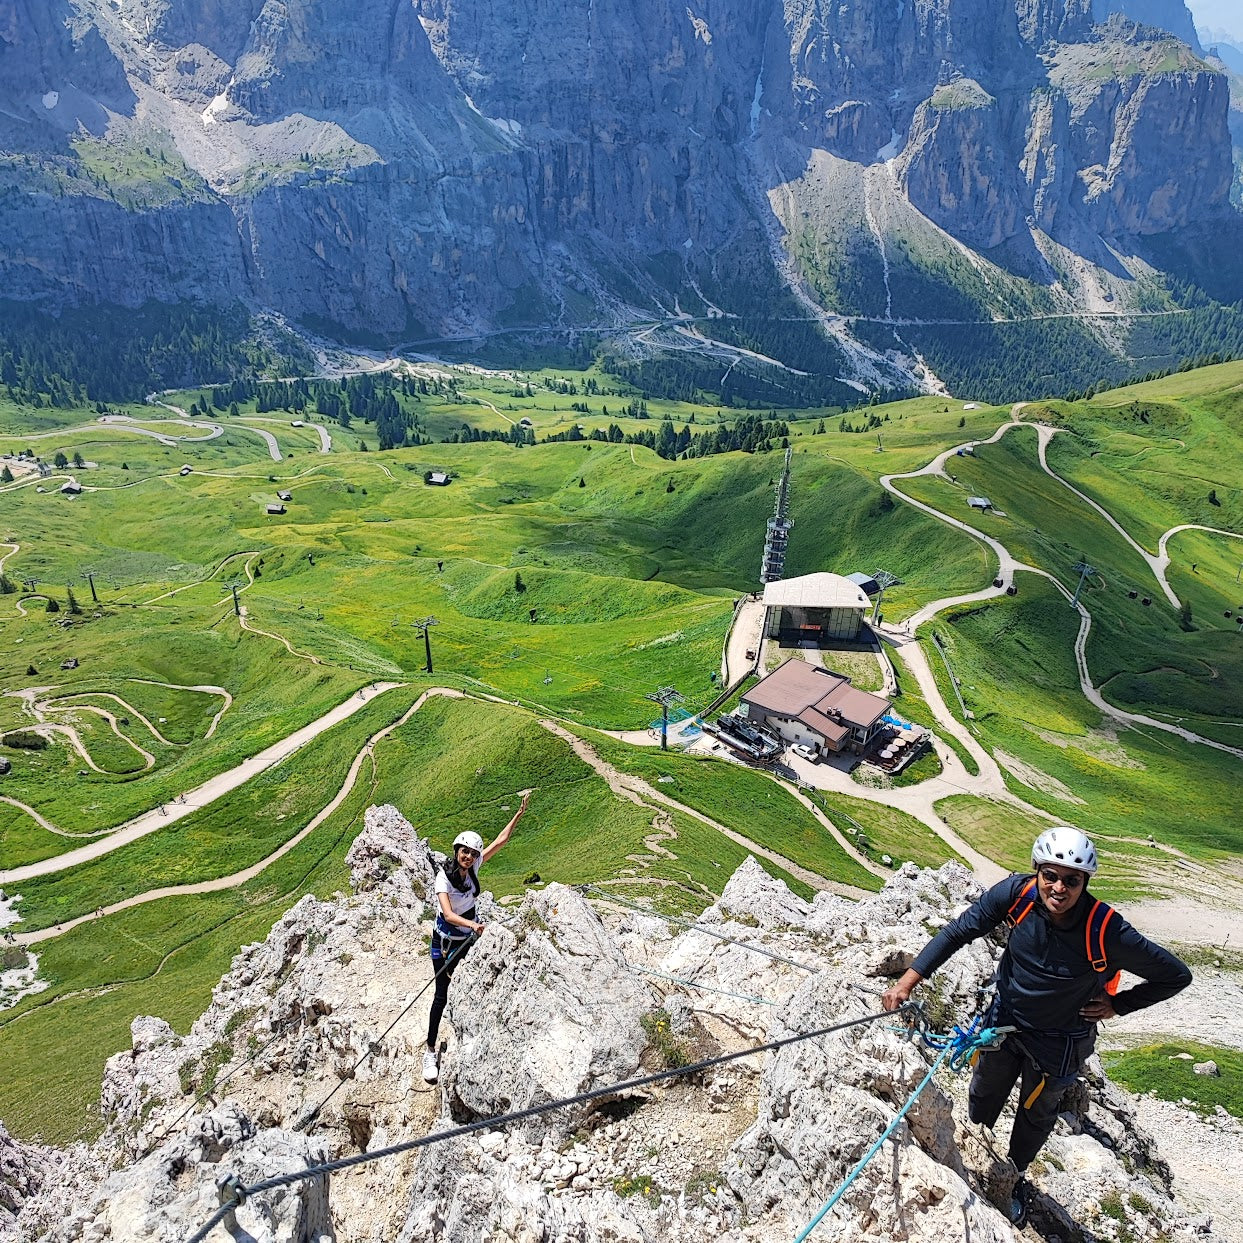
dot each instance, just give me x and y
(240, 878)
(1161, 562)
(274, 450)
(920, 800)
(1154, 563)
(325, 440)
(201, 796)
(1011, 565)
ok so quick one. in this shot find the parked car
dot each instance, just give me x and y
(804, 752)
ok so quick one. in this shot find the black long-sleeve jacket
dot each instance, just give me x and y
(1045, 976)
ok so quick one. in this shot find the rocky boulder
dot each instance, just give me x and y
(312, 1044)
(543, 1006)
(169, 1195)
(388, 856)
(22, 1169)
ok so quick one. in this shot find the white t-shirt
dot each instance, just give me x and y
(460, 900)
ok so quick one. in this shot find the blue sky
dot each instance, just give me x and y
(1224, 15)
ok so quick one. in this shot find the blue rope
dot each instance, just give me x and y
(958, 1047)
(965, 1043)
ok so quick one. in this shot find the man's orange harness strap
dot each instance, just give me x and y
(1094, 936)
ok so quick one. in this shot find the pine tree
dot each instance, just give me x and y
(74, 607)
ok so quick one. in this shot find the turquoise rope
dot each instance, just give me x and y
(959, 1047)
(871, 1152)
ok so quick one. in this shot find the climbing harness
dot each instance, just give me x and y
(1093, 934)
(234, 1192)
(960, 1048)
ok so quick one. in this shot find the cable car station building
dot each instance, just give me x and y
(814, 608)
(819, 708)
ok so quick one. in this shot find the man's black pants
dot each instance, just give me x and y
(1040, 1097)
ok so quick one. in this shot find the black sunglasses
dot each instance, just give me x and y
(1050, 877)
(474, 854)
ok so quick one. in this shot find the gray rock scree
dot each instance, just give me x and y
(546, 1005)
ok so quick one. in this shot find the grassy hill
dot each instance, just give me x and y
(568, 580)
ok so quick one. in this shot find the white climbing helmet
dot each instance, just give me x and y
(472, 841)
(1067, 846)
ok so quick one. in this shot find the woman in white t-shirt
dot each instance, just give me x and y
(455, 928)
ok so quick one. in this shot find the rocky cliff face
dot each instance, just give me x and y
(1170, 15)
(559, 997)
(430, 168)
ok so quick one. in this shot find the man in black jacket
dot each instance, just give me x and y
(1057, 979)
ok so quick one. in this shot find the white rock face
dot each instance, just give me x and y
(22, 1169)
(389, 856)
(543, 1009)
(311, 1050)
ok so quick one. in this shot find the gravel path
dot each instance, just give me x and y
(238, 878)
(1205, 1156)
(208, 792)
(744, 636)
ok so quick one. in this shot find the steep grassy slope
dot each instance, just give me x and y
(1018, 673)
(1143, 656)
(575, 599)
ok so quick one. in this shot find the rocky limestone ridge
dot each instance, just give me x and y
(560, 996)
(428, 169)
(1170, 15)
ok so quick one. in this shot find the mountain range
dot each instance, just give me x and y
(867, 192)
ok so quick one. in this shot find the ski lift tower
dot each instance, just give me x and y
(778, 536)
(883, 580)
(1084, 570)
(665, 696)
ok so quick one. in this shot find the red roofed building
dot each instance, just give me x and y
(807, 704)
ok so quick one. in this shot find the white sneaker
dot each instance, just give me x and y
(431, 1067)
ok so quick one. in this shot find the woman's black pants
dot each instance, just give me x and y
(447, 952)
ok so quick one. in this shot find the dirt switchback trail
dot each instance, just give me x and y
(641, 793)
(1009, 566)
(212, 789)
(240, 878)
